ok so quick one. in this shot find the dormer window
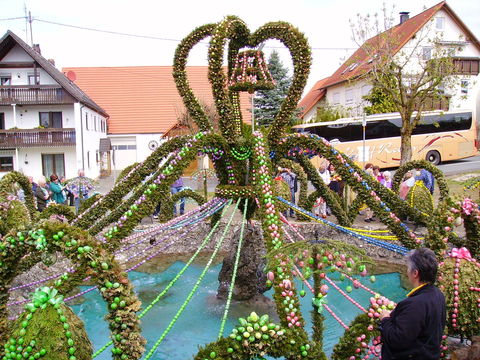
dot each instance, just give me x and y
(33, 79)
(440, 23)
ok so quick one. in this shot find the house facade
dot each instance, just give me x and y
(346, 87)
(47, 124)
(143, 105)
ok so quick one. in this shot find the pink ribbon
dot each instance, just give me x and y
(461, 253)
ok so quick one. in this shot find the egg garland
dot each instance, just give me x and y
(167, 203)
(449, 215)
(91, 259)
(15, 177)
(366, 187)
(37, 343)
(458, 278)
(234, 192)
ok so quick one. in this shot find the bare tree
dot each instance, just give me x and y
(410, 72)
(184, 119)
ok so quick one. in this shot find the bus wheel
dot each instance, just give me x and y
(433, 157)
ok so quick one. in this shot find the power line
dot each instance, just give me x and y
(14, 18)
(106, 31)
(163, 38)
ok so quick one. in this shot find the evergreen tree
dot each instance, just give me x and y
(267, 103)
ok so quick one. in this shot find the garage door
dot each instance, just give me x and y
(123, 156)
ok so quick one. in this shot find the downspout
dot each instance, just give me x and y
(16, 167)
(81, 136)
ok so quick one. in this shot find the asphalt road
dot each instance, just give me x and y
(461, 166)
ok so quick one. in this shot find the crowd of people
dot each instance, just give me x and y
(55, 190)
(335, 182)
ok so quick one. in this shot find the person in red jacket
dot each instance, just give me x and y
(414, 329)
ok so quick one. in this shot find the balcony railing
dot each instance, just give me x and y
(23, 138)
(33, 95)
(437, 103)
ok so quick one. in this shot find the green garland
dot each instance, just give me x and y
(111, 200)
(348, 343)
(154, 193)
(88, 202)
(31, 339)
(467, 312)
(125, 172)
(332, 198)
(167, 203)
(58, 209)
(297, 44)
(230, 28)
(13, 177)
(108, 207)
(421, 164)
(13, 215)
(83, 250)
(191, 102)
(385, 204)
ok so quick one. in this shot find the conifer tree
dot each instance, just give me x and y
(267, 103)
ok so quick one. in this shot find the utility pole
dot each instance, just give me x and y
(26, 21)
(31, 32)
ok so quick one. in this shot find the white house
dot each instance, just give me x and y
(47, 123)
(345, 88)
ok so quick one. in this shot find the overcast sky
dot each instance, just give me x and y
(324, 22)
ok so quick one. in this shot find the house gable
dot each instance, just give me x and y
(347, 78)
(15, 53)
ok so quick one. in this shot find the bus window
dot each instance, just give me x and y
(441, 123)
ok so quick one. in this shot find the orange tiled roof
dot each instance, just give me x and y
(144, 99)
(315, 94)
(403, 32)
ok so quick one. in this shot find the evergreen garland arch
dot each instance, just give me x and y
(421, 164)
(58, 209)
(91, 260)
(7, 183)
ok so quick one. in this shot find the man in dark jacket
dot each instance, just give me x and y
(414, 329)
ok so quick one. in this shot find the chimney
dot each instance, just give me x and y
(36, 47)
(51, 61)
(404, 16)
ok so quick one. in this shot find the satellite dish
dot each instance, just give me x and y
(71, 75)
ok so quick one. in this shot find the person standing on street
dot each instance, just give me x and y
(427, 178)
(176, 187)
(41, 194)
(56, 189)
(291, 179)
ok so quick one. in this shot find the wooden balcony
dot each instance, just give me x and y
(24, 138)
(34, 95)
(435, 103)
